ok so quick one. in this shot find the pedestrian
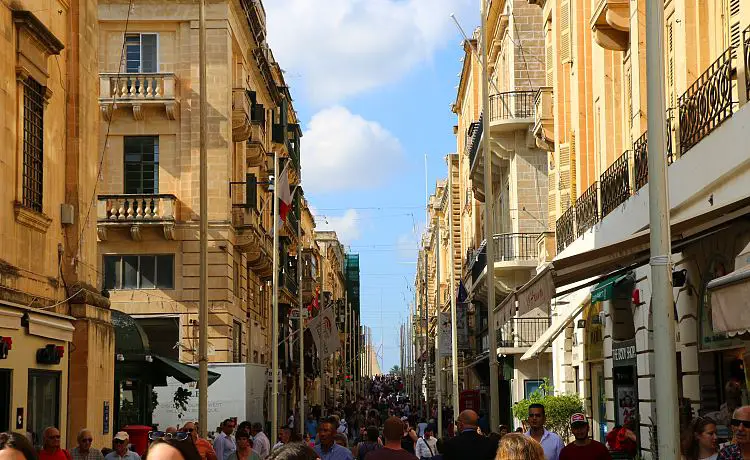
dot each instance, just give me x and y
(469, 443)
(698, 440)
(517, 446)
(224, 444)
(295, 451)
(370, 443)
(311, 425)
(204, 448)
(503, 430)
(426, 445)
(285, 433)
(261, 444)
(551, 442)
(409, 438)
(51, 446)
(393, 430)
(327, 449)
(622, 439)
(84, 450)
(341, 440)
(290, 420)
(168, 448)
(244, 447)
(421, 427)
(16, 446)
(740, 448)
(583, 448)
(122, 448)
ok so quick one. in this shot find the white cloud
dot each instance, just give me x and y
(343, 151)
(346, 226)
(341, 48)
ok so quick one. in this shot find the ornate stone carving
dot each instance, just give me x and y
(135, 233)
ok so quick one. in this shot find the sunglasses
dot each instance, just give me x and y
(119, 441)
(188, 430)
(180, 435)
(737, 422)
(87, 440)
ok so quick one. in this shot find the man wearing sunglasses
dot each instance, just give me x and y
(740, 447)
(84, 450)
(122, 448)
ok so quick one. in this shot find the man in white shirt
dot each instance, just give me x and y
(285, 433)
(224, 443)
(261, 444)
(427, 445)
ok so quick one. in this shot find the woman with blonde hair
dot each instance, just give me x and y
(516, 446)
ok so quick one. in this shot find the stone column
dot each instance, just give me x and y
(92, 368)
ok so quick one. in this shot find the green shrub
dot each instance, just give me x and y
(558, 408)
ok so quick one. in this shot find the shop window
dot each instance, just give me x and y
(43, 403)
(141, 164)
(236, 342)
(139, 272)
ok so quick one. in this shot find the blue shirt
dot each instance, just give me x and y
(224, 446)
(551, 443)
(312, 427)
(336, 453)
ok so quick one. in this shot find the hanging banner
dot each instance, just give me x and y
(325, 333)
(446, 337)
(463, 326)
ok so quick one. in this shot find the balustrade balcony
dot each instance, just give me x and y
(241, 114)
(136, 90)
(615, 184)
(135, 211)
(587, 209)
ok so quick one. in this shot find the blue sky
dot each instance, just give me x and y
(372, 82)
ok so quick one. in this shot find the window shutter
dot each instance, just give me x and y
(573, 168)
(565, 36)
(550, 61)
(563, 177)
(734, 23)
(148, 53)
(552, 194)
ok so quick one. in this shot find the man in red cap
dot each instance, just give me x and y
(583, 448)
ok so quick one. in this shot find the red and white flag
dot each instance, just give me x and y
(284, 194)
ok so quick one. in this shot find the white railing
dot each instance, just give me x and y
(145, 86)
(128, 208)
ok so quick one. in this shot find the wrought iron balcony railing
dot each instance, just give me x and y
(522, 332)
(640, 161)
(587, 209)
(516, 246)
(707, 103)
(615, 184)
(512, 105)
(565, 229)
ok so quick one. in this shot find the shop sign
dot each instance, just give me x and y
(594, 345)
(105, 418)
(623, 352)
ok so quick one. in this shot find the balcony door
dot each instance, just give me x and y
(141, 51)
(141, 164)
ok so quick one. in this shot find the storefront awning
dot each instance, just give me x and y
(605, 290)
(181, 372)
(730, 298)
(616, 259)
(578, 300)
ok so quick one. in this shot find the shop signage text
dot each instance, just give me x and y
(623, 352)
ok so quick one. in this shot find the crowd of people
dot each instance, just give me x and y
(385, 426)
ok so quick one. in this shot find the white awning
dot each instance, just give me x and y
(730, 302)
(577, 302)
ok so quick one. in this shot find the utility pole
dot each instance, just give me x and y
(489, 229)
(438, 325)
(662, 301)
(452, 284)
(275, 308)
(203, 272)
(301, 321)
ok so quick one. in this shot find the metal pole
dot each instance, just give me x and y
(489, 230)
(275, 308)
(345, 350)
(438, 325)
(662, 302)
(301, 416)
(203, 272)
(452, 284)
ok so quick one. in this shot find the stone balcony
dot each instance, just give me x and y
(137, 90)
(611, 24)
(136, 212)
(254, 241)
(544, 119)
(241, 115)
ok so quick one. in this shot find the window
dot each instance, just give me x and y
(236, 342)
(43, 403)
(33, 143)
(141, 53)
(141, 164)
(139, 272)
(236, 275)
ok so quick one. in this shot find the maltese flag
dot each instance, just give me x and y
(284, 194)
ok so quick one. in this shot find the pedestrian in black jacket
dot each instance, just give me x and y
(469, 444)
